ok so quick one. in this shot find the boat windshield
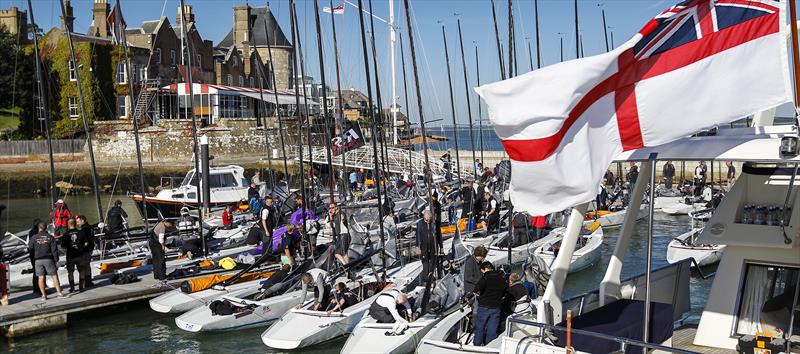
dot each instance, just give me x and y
(190, 177)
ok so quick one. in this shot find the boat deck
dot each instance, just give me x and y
(683, 337)
(28, 314)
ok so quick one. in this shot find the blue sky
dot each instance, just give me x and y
(556, 17)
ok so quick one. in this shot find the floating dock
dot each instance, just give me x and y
(27, 314)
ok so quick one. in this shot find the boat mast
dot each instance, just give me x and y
(376, 178)
(43, 110)
(512, 50)
(469, 106)
(296, 40)
(326, 127)
(480, 114)
(497, 40)
(262, 119)
(95, 188)
(308, 120)
(538, 46)
(577, 33)
(452, 104)
(605, 28)
(530, 53)
(392, 44)
(340, 105)
(405, 93)
(124, 39)
(428, 174)
(382, 125)
(277, 109)
(195, 146)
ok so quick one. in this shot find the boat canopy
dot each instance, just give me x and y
(756, 144)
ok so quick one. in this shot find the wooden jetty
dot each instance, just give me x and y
(27, 314)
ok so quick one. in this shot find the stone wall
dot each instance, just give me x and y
(171, 140)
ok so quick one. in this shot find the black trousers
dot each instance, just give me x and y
(159, 259)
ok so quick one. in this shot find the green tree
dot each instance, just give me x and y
(17, 79)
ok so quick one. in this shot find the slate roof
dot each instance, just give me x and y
(258, 16)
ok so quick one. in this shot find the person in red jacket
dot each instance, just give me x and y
(227, 217)
(60, 215)
(539, 226)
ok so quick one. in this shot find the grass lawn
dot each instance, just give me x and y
(8, 118)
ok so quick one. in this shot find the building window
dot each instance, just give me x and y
(122, 110)
(241, 81)
(121, 77)
(230, 80)
(158, 55)
(235, 62)
(172, 57)
(199, 61)
(73, 74)
(766, 297)
(72, 106)
(252, 82)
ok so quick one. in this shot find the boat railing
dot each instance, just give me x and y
(700, 271)
(623, 342)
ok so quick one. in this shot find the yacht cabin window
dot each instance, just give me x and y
(216, 180)
(766, 299)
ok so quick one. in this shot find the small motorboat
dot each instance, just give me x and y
(611, 219)
(683, 206)
(684, 246)
(587, 252)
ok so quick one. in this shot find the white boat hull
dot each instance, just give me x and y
(177, 301)
(582, 258)
(262, 313)
(704, 255)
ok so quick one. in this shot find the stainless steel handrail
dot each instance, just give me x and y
(622, 341)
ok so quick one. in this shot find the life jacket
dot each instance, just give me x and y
(539, 222)
(227, 217)
(61, 215)
(256, 204)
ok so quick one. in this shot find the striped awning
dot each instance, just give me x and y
(285, 97)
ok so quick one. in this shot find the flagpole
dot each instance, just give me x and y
(795, 54)
(392, 41)
(497, 40)
(452, 104)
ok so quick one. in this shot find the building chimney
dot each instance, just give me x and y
(241, 24)
(68, 20)
(100, 12)
(187, 10)
(246, 57)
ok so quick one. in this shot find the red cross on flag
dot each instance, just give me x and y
(698, 64)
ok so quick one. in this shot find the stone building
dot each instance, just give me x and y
(164, 41)
(238, 66)
(100, 64)
(253, 26)
(15, 21)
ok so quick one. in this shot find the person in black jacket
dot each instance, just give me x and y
(74, 242)
(31, 233)
(669, 174)
(88, 249)
(472, 269)
(45, 252)
(428, 245)
(467, 197)
(116, 219)
(490, 291)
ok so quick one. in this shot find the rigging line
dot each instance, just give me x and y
(427, 63)
(114, 186)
